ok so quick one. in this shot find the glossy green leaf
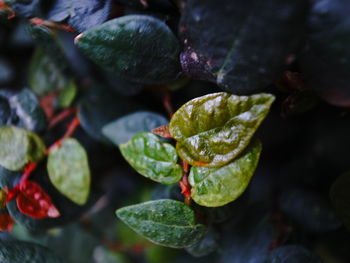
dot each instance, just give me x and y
(152, 158)
(18, 147)
(214, 187)
(139, 48)
(340, 196)
(27, 108)
(69, 171)
(123, 129)
(24, 252)
(45, 75)
(164, 222)
(214, 129)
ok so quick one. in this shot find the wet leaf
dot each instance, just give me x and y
(33, 201)
(122, 44)
(124, 128)
(229, 44)
(292, 254)
(69, 171)
(214, 129)
(214, 187)
(340, 197)
(81, 14)
(26, 106)
(24, 252)
(19, 147)
(164, 222)
(152, 158)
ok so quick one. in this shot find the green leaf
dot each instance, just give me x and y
(152, 158)
(68, 95)
(165, 222)
(26, 106)
(228, 44)
(45, 75)
(214, 187)
(206, 245)
(69, 171)
(123, 129)
(19, 147)
(138, 47)
(214, 129)
(24, 252)
(340, 197)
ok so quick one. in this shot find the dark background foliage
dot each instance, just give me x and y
(296, 208)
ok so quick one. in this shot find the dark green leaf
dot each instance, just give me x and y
(7, 177)
(45, 75)
(292, 254)
(214, 129)
(69, 171)
(311, 211)
(164, 222)
(122, 44)
(214, 187)
(325, 62)
(340, 196)
(123, 129)
(24, 252)
(81, 14)
(241, 45)
(27, 108)
(18, 147)
(6, 71)
(152, 158)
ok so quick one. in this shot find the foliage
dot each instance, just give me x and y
(174, 131)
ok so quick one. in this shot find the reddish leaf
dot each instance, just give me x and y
(6, 222)
(33, 201)
(162, 131)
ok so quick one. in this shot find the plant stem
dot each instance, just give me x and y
(61, 116)
(184, 184)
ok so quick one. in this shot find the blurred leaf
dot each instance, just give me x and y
(26, 8)
(122, 44)
(68, 95)
(45, 75)
(292, 254)
(152, 158)
(207, 245)
(158, 254)
(94, 118)
(24, 252)
(249, 57)
(81, 14)
(309, 210)
(6, 71)
(249, 241)
(325, 61)
(123, 129)
(19, 147)
(165, 222)
(214, 129)
(26, 106)
(340, 196)
(69, 171)
(218, 186)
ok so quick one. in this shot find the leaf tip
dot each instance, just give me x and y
(76, 39)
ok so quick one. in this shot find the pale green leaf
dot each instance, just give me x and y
(69, 171)
(152, 158)
(19, 147)
(214, 187)
(214, 129)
